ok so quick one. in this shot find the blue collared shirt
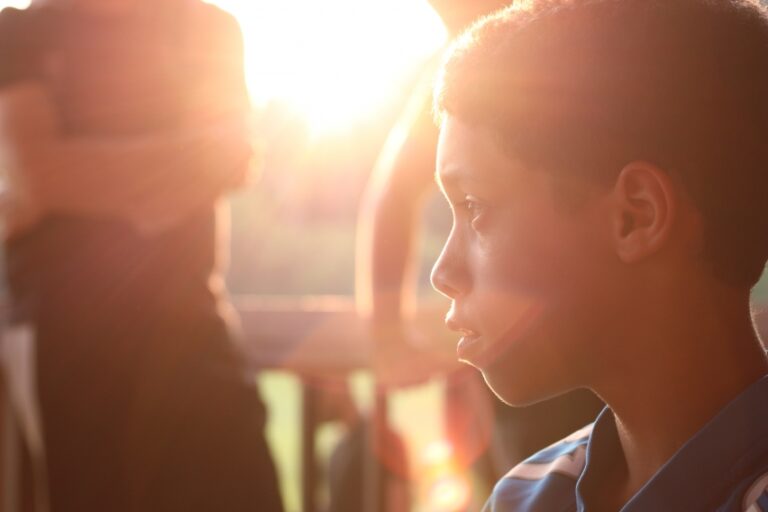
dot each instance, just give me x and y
(723, 468)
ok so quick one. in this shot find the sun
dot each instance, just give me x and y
(334, 61)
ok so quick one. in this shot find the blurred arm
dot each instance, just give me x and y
(148, 180)
(153, 181)
(217, 86)
(388, 224)
(387, 239)
(216, 89)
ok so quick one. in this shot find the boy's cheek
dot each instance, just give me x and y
(512, 271)
(496, 307)
(540, 363)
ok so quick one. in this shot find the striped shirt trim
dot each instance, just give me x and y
(756, 497)
(570, 464)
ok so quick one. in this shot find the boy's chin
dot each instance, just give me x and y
(517, 388)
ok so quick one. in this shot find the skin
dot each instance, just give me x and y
(183, 170)
(512, 262)
(611, 294)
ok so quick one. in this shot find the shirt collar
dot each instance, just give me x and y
(703, 470)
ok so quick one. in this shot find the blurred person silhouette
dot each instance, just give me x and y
(388, 234)
(124, 124)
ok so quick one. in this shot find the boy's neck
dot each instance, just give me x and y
(705, 353)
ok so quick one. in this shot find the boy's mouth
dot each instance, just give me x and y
(479, 350)
(470, 346)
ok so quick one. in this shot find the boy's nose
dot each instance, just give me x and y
(446, 274)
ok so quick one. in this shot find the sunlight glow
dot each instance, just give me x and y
(437, 453)
(449, 493)
(19, 4)
(334, 61)
(448, 489)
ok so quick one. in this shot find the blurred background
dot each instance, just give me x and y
(327, 81)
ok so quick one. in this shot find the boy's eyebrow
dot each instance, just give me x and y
(453, 177)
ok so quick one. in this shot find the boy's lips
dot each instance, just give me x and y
(470, 345)
(470, 348)
(479, 350)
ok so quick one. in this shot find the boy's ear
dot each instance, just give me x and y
(644, 213)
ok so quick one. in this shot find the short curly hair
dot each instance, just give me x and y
(586, 86)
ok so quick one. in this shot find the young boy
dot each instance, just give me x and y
(606, 164)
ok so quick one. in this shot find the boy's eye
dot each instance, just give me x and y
(472, 207)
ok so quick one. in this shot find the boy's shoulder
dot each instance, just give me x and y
(546, 480)
(723, 468)
(755, 498)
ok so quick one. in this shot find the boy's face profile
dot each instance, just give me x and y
(527, 276)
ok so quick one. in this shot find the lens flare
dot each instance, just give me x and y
(447, 488)
(450, 493)
(437, 453)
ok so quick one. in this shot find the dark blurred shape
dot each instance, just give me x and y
(146, 401)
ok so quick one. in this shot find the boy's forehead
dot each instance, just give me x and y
(470, 159)
(468, 152)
